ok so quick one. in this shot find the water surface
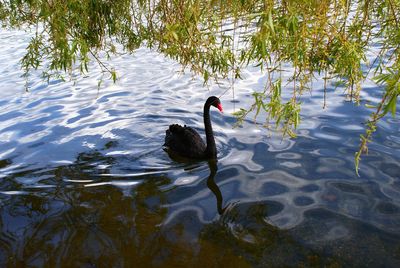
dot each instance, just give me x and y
(84, 180)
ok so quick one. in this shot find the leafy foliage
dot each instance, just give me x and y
(217, 39)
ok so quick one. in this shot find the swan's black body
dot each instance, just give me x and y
(186, 142)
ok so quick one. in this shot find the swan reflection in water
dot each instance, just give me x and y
(212, 164)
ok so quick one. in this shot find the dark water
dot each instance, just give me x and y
(84, 181)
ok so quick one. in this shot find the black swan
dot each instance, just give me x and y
(186, 142)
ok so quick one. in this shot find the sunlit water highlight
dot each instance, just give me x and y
(84, 180)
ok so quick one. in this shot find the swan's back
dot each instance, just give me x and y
(184, 141)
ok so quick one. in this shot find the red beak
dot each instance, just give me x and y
(219, 106)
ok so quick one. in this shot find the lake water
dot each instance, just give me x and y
(84, 181)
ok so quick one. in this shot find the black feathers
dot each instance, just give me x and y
(185, 141)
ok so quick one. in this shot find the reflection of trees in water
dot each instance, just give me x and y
(70, 225)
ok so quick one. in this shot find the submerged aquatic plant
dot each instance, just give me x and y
(217, 39)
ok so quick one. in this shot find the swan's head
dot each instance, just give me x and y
(214, 101)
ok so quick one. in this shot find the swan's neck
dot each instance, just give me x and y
(211, 150)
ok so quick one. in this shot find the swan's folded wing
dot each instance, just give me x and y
(184, 140)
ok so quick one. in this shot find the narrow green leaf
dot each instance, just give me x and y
(391, 106)
(271, 22)
(370, 106)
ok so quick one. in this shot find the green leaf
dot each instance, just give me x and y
(382, 78)
(391, 106)
(271, 22)
(370, 106)
(206, 76)
(114, 76)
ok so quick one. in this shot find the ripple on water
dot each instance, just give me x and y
(387, 208)
(288, 155)
(310, 188)
(348, 187)
(303, 201)
(273, 188)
